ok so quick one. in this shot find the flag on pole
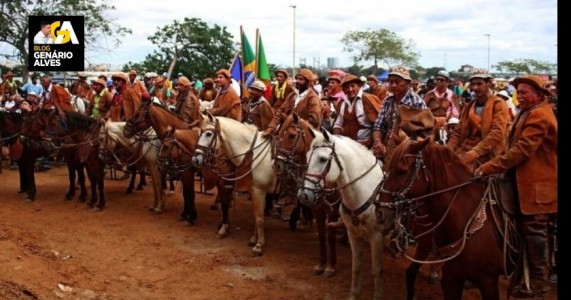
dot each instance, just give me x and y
(249, 60)
(263, 70)
(236, 68)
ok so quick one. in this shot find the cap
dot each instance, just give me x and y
(109, 83)
(535, 81)
(100, 81)
(182, 80)
(224, 72)
(504, 94)
(453, 121)
(121, 76)
(363, 78)
(258, 85)
(349, 78)
(132, 72)
(443, 74)
(480, 73)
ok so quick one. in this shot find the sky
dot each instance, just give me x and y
(447, 33)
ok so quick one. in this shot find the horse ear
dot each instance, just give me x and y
(326, 134)
(398, 139)
(312, 132)
(210, 116)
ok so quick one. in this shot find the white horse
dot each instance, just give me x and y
(357, 173)
(111, 135)
(237, 141)
(79, 104)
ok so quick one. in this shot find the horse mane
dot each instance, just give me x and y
(250, 127)
(16, 117)
(166, 109)
(78, 121)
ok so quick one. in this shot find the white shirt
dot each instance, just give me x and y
(364, 133)
(299, 97)
(40, 38)
(236, 86)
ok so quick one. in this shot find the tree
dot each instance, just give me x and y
(529, 66)
(379, 46)
(202, 50)
(103, 34)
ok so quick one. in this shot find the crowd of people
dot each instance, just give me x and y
(495, 128)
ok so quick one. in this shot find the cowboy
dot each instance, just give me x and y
(159, 90)
(258, 110)
(80, 87)
(483, 128)
(208, 93)
(125, 101)
(135, 84)
(33, 86)
(282, 89)
(8, 87)
(187, 105)
(227, 102)
(100, 101)
(304, 102)
(531, 160)
(54, 96)
(357, 112)
(442, 102)
(387, 122)
(376, 89)
(334, 91)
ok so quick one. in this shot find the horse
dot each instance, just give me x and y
(22, 149)
(427, 179)
(77, 136)
(154, 115)
(241, 143)
(176, 154)
(357, 173)
(292, 142)
(111, 137)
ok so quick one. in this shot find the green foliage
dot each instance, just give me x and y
(103, 32)
(201, 50)
(380, 46)
(529, 66)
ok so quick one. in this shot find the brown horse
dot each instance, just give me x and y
(427, 179)
(293, 141)
(77, 137)
(153, 115)
(175, 156)
(23, 149)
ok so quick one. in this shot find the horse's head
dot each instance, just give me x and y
(208, 141)
(323, 168)
(43, 121)
(140, 122)
(177, 150)
(292, 143)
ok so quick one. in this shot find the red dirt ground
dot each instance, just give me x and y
(56, 249)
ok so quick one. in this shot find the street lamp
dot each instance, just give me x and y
(293, 61)
(487, 34)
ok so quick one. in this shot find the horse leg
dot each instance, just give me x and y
(357, 247)
(421, 253)
(452, 284)
(488, 287)
(189, 209)
(294, 216)
(71, 167)
(142, 180)
(225, 195)
(321, 234)
(258, 200)
(26, 165)
(133, 170)
(331, 239)
(81, 181)
(159, 199)
(377, 263)
(97, 180)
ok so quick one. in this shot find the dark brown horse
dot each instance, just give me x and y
(151, 114)
(293, 141)
(175, 156)
(77, 138)
(23, 149)
(427, 179)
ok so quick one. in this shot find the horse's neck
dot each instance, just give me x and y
(360, 176)
(163, 120)
(236, 141)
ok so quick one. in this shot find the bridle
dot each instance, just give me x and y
(285, 161)
(166, 162)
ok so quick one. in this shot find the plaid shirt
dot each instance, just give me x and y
(383, 119)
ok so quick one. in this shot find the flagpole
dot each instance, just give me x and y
(242, 51)
(257, 54)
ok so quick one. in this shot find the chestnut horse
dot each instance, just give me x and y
(428, 179)
(77, 138)
(292, 143)
(175, 156)
(153, 115)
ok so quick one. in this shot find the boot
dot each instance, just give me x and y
(536, 242)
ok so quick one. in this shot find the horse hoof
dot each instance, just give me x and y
(29, 200)
(190, 222)
(223, 231)
(140, 187)
(68, 197)
(97, 209)
(318, 270)
(329, 272)
(257, 251)
(129, 191)
(81, 199)
(181, 218)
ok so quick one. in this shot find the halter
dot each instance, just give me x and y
(134, 128)
(285, 159)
